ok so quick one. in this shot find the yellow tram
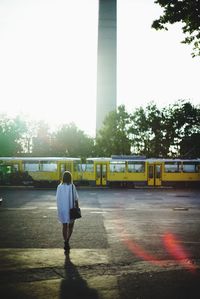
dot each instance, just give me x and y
(122, 171)
(132, 171)
(39, 170)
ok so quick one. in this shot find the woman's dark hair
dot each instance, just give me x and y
(67, 178)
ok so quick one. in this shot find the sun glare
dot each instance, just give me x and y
(49, 61)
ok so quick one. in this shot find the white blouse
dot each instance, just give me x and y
(65, 202)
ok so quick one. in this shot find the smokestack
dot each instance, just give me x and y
(106, 64)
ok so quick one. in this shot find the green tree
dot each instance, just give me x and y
(183, 126)
(186, 12)
(113, 138)
(72, 142)
(11, 132)
(190, 146)
(146, 131)
(165, 132)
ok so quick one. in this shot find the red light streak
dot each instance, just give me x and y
(140, 252)
(171, 244)
(177, 251)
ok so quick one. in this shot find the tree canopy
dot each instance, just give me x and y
(188, 13)
(72, 142)
(172, 131)
(11, 135)
(166, 132)
(146, 131)
(113, 138)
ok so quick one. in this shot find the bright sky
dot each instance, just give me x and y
(48, 51)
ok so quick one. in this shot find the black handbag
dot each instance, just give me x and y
(75, 212)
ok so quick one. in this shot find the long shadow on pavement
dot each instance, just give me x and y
(73, 286)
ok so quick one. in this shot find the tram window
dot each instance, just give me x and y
(77, 166)
(15, 167)
(48, 166)
(4, 169)
(158, 171)
(117, 166)
(98, 171)
(31, 166)
(190, 167)
(83, 167)
(135, 166)
(89, 167)
(172, 167)
(62, 167)
(104, 168)
(68, 166)
(8, 169)
(151, 174)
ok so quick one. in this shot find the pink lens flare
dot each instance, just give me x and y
(134, 247)
(143, 254)
(172, 244)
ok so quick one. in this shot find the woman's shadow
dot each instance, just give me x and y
(73, 286)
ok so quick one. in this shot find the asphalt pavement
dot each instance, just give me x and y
(128, 244)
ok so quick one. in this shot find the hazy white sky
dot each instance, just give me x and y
(48, 51)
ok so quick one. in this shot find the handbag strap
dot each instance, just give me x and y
(73, 196)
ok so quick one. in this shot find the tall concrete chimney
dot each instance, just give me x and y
(106, 64)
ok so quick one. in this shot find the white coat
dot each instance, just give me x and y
(65, 202)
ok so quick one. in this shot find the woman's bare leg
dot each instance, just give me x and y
(71, 227)
(65, 231)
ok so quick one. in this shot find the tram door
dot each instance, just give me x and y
(154, 175)
(69, 166)
(64, 167)
(101, 174)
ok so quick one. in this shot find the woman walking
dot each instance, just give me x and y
(65, 195)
